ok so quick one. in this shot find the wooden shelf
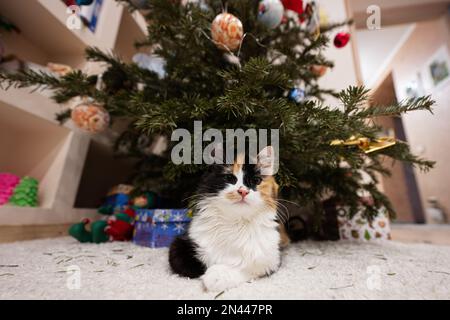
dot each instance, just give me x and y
(132, 28)
(55, 154)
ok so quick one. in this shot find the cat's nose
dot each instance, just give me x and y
(243, 192)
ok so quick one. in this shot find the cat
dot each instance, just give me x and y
(234, 236)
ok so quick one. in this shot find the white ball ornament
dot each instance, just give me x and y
(270, 13)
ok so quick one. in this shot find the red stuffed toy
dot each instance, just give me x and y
(120, 226)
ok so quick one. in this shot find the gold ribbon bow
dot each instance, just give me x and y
(366, 144)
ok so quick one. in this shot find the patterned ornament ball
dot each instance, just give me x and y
(227, 31)
(341, 39)
(90, 117)
(319, 70)
(270, 13)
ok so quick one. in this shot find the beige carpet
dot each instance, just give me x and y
(42, 269)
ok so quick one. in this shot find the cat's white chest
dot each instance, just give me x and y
(250, 245)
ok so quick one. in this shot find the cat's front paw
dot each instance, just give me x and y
(220, 277)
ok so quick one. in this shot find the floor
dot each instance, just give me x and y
(62, 268)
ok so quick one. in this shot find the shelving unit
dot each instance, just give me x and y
(31, 140)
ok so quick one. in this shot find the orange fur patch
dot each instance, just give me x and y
(269, 191)
(237, 165)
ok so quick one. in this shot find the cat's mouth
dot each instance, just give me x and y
(242, 201)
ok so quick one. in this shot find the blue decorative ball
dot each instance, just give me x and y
(297, 95)
(270, 13)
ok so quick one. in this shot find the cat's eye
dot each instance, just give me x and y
(257, 180)
(230, 178)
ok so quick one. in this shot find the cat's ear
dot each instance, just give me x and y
(266, 161)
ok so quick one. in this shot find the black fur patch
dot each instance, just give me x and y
(252, 176)
(182, 258)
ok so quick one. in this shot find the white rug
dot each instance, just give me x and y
(310, 270)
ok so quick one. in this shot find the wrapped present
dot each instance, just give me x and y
(360, 228)
(157, 228)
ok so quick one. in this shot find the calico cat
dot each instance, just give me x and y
(234, 235)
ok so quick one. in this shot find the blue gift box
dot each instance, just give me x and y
(157, 228)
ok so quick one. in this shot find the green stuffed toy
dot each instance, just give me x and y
(96, 235)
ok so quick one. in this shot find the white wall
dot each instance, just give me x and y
(344, 73)
(377, 48)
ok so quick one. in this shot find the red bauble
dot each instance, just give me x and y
(294, 5)
(341, 39)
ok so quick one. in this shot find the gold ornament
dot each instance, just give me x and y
(366, 144)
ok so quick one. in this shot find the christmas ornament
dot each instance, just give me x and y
(297, 95)
(313, 19)
(341, 39)
(59, 69)
(26, 193)
(319, 70)
(227, 31)
(366, 144)
(270, 13)
(84, 2)
(90, 117)
(293, 5)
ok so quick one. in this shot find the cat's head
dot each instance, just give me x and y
(242, 187)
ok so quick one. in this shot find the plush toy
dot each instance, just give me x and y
(120, 226)
(96, 235)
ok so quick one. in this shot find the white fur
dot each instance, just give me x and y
(236, 241)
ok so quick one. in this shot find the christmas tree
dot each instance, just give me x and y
(268, 80)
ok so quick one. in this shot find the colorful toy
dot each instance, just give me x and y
(26, 193)
(120, 226)
(117, 200)
(96, 235)
(8, 182)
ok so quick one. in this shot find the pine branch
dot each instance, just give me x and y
(421, 103)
